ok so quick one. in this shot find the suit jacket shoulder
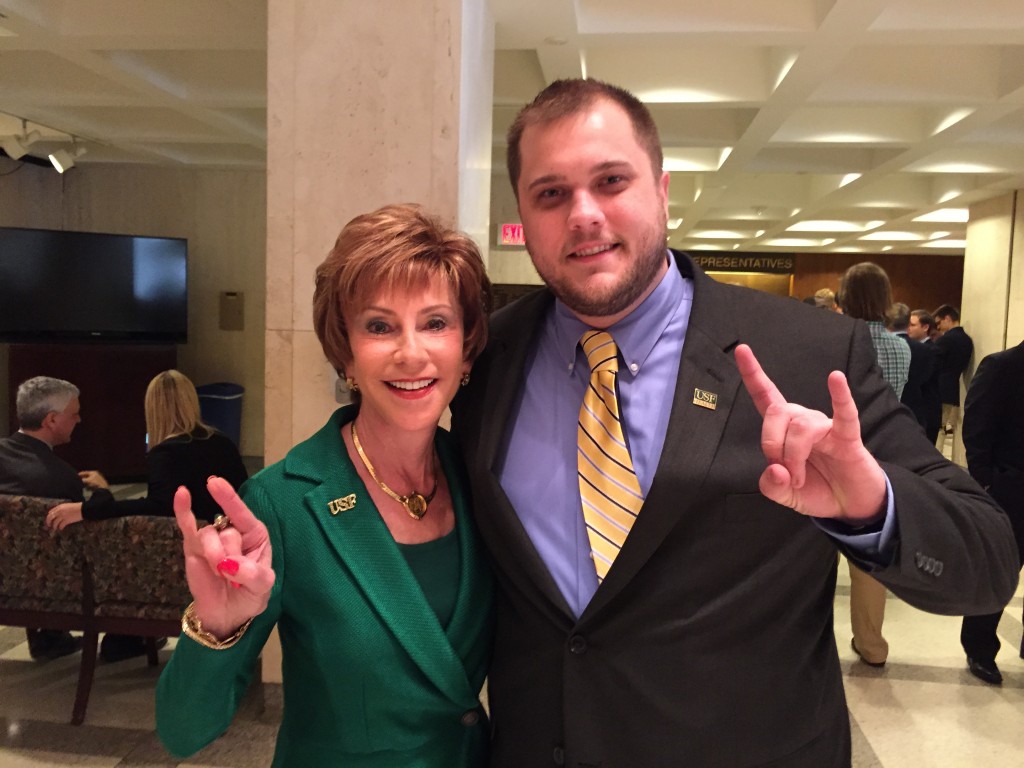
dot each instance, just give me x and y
(993, 428)
(29, 467)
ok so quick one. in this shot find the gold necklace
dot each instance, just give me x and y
(415, 503)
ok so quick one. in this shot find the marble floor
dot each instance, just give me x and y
(922, 709)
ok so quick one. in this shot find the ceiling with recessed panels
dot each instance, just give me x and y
(803, 125)
(180, 82)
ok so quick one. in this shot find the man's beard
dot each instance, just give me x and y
(612, 300)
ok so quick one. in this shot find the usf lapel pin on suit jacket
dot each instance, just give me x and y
(371, 679)
(710, 642)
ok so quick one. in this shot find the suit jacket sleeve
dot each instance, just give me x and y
(164, 479)
(200, 689)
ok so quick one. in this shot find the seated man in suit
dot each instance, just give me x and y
(48, 412)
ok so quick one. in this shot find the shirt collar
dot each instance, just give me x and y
(637, 333)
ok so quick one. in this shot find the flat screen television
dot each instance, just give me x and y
(83, 286)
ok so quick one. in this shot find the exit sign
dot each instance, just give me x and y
(511, 234)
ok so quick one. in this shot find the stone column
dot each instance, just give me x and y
(993, 295)
(368, 103)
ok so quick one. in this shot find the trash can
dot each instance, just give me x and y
(221, 406)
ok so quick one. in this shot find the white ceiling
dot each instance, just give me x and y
(765, 107)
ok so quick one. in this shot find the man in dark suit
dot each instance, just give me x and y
(994, 441)
(708, 641)
(955, 349)
(921, 393)
(48, 412)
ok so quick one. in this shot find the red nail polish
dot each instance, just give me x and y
(228, 566)
(236, 585)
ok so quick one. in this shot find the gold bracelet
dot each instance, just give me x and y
(193, 627)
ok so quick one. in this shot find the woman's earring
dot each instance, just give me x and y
(351, 384)
(465, 378)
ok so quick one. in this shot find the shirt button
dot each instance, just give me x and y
(634, 367)
(470, 718)
(578, 645)
(558, 755)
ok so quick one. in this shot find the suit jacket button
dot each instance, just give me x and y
(578, 645)
(470, 718)
(558, 755)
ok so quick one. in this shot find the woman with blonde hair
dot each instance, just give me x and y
(182, 451)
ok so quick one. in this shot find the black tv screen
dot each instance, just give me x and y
(82, 286)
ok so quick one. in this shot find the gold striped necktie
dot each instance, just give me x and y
(609, 489)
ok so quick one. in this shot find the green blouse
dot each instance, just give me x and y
(435, 564)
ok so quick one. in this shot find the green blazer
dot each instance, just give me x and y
(371, 679)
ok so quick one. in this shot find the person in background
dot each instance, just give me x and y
(921, 393)
(865, 294)
(660, 487)
(825, 298)
(955, 349)
(359, 546)
(182, 451)
(920, 326)
(48, 411)
(993, 433)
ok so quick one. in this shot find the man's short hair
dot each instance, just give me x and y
(899, 316)
(565, 98)
(947, 310)
(42, 395)
(924, 317)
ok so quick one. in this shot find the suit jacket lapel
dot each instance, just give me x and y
(362, 541)
(503, 366)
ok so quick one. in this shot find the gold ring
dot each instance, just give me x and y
(220, 522)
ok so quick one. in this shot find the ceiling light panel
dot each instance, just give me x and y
(893, 236)
(695, 16)
(691, 159)
(853, 125)
(972, 158)
(704, 74)
(792, 242)
(716, 234)
(946, 215)
(952, 15)
(693, 125)
(817, 225)
(916, 74)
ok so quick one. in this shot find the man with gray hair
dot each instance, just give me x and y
(48, 412)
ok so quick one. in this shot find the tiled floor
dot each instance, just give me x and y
(922, 709)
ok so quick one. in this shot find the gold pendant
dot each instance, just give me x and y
(416, 505)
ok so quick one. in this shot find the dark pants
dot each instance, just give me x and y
(51, 643)
(978, 633)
